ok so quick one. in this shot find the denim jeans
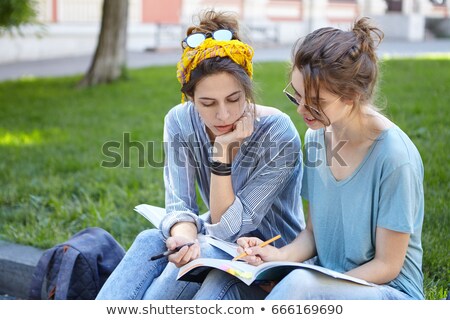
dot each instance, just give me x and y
(136, 277)
(220, 285)
(300, 284)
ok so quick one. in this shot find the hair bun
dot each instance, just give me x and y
(210, 21)
(368, 36)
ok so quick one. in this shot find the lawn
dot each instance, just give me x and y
(59, 145)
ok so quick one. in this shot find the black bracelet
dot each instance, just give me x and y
(220, 173)
(220, 169)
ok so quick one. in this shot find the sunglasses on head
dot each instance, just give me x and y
(195, 39)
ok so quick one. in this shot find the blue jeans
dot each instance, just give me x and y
(136, 277)
(300, 284)
(220, 285)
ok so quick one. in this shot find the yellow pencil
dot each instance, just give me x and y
(263, 244)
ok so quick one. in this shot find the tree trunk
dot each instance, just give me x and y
(109, 61)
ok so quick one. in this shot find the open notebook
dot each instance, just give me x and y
(151, 213)
(197, 270)
(155, 215)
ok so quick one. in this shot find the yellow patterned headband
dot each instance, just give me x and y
(236, 50)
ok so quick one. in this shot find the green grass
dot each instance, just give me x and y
(51, 138)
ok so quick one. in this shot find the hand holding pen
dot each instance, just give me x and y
(255, 251)
(169, 252)
(180, 250)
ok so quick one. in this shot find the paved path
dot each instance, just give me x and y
(78, 65)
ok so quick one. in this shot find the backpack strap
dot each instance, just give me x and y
(40, 273)
(65, 272)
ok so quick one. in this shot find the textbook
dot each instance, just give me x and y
(155, 215)
(151, 213)
(197, 270)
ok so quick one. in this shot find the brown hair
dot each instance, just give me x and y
(342, 62)
(210, 21)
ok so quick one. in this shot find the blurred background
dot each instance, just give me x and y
(71, 27)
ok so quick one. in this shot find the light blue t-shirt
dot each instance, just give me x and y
(386, 190)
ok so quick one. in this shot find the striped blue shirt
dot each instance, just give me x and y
(266, 178)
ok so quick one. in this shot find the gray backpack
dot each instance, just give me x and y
(77, 268)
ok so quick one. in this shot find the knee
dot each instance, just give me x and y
(149, 236)
(298, 284)
(216, 285)
(305, 278)
(217, 278)
(293, 280)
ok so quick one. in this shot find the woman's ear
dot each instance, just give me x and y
(348, 102)
(351, 101)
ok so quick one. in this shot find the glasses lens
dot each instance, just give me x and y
(314, 111)
(291, 98)
(195, 39)
(222, 34)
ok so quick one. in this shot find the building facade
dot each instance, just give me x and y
(70, 27)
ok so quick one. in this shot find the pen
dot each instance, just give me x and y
(263, 244)
(169, 252)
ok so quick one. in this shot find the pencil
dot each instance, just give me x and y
(263, 244)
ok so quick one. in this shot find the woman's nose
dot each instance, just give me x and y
(301, 108)
(222, 113)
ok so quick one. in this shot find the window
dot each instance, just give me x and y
(394, 5)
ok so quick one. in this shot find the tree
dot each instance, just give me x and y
(14, 13)
(109, 62)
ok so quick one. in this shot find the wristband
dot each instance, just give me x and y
(220, 169)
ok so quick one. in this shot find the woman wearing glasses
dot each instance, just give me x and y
(245, 159)
(363, 179)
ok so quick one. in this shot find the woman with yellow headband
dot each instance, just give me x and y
(245, 159)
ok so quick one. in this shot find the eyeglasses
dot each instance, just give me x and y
(195, 39)
(314, 111)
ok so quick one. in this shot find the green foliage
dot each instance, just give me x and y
(52, 135)
(14, 13)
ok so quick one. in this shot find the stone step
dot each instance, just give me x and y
(17, 263)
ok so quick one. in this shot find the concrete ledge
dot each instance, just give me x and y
(17, 263)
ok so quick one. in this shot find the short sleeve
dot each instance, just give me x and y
(401, 194)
